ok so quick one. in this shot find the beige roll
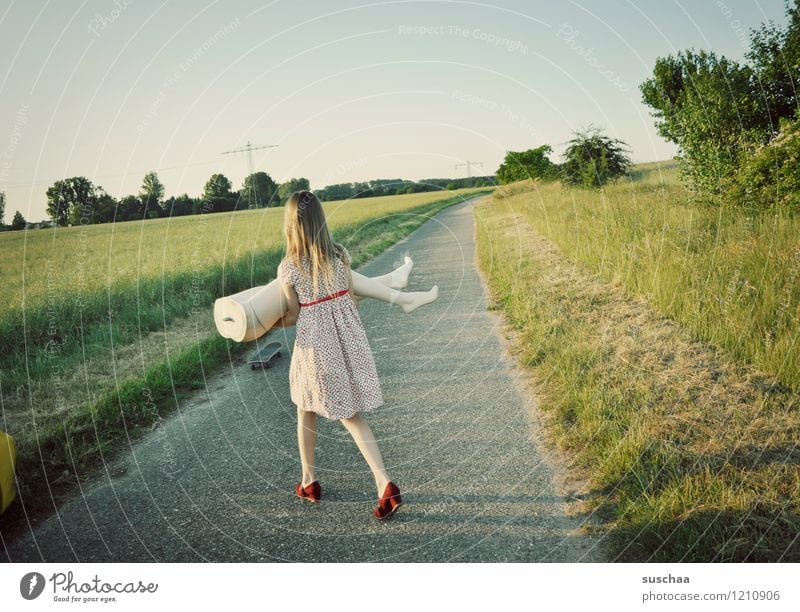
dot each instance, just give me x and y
(251, 313)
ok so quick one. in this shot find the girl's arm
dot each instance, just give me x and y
(292, 303)
(353, 296)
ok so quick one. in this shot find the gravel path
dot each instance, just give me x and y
(215, 481)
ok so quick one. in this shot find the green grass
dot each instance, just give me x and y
(60, 399)
(730, 277)
(690, 451)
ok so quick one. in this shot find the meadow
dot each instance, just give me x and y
(661, 339)
(105, 327)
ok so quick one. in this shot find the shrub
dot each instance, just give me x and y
(592, 159)
(768, 178)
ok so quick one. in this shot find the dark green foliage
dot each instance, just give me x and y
(707, 105)
(18, 222)
(593, 159)
(151, 195)
(67, 194)
(775, 57)
(179, 206)
(218, 186)
(530, 164)
(388, 187)
(768, 177)
(289, 187)
(259, 191)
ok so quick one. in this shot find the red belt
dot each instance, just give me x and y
(327, 297)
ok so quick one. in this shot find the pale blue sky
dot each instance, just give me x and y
(350, 90)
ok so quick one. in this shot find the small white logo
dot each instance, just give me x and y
(31, 585)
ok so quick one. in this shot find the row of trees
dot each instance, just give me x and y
(736, 124)
(77, 201)
(387, 187)
(591, 159)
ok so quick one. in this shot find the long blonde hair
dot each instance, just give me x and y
(306, 233)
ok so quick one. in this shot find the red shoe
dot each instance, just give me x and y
(389, 502)
(311, 492)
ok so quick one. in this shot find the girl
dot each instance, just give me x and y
(332, 372)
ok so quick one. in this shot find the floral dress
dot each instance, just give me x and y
(332, 371)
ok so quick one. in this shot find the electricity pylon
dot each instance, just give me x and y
(249, 148)
(469, 165)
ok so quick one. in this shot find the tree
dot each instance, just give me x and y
(292, 185)
(217, 195)
(218, 186)
(66, 194)
(151, 195)
(709, 107)
(592, 159)
(18, 222)
(2, 208)
(259, 191)
(717, 111)
(530, 164)
(179, 206)
(105, 208)
(774, 55)
(130, 208)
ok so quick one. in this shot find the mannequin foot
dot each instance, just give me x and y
(399, 278)
(414, 299)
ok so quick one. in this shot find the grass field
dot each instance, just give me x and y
(106, 326)
(662, 340)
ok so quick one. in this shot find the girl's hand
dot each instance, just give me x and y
(286, 320)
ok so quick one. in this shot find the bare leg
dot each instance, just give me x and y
(307, 442)
(365, 440)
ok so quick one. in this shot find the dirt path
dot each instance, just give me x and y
(215, 481)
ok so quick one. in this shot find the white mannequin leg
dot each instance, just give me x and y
(250, 314)
(397, 278)
(366, 287)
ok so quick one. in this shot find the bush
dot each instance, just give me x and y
(768, 178)
(530, 164)
(593, 159)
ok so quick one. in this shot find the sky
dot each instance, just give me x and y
(349, 90)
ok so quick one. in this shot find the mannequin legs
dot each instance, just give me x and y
(377, 288)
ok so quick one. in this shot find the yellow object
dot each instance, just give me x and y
(8, 458)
